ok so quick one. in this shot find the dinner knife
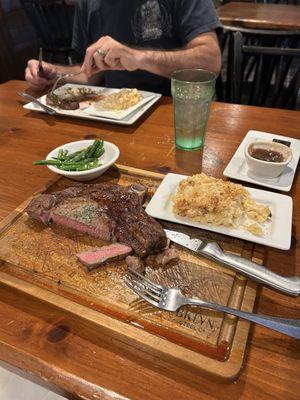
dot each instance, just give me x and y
(252, 270)
(27, 96)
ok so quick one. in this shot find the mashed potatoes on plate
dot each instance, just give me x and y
(209, 200)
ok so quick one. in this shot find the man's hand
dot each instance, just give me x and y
(32, 77)
(108, 54)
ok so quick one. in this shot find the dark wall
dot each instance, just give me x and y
(18, 41)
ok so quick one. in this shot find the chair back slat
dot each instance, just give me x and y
(263, 69)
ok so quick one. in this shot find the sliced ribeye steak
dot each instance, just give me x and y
(102, 255)
(106, 211)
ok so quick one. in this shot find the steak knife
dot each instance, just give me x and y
(27, 96)
(250, 269)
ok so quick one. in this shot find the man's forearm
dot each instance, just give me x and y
(165, 62)
(204, 55)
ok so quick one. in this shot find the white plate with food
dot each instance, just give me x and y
(237, 167)
(224, 207)
(85, 96)
(118, 104)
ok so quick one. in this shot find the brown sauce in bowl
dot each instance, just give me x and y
(267, 155)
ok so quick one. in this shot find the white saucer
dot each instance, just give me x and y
(237, 167)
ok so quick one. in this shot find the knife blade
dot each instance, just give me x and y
(27, 96)
(248, 268)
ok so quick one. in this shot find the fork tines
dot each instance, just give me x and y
(142, 278)
(143, 287)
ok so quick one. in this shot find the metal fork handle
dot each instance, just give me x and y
(63, 76)
(27, 96)
(290, 327)
(287, 285)
(58, 79)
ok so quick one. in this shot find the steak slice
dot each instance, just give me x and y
(83, 215)
(107, 211)
(167, 256)
(135, 263)
(102, 255)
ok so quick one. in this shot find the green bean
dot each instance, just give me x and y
(77, 153)
(94, 164)
(72, 167)
(79, 166)
(97, 143)
(72, 155)
(65, 153)
(91, 149)
(99, 152)
(100, 145)
(60, 154)
(80, 157)
(68, 168)
(85, 161)
(47, 162)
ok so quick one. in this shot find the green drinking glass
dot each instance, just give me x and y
(193, 91)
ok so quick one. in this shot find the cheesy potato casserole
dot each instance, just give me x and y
(121, 100)
(209, 200)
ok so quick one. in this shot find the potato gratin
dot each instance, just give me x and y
(121, 100)
(209, 200)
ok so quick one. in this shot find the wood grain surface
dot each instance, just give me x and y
(260, 15)
(203, 339)
(73, 355)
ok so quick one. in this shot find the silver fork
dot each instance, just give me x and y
(172, 299)
(60, 77)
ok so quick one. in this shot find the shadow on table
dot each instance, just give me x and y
(189, 161)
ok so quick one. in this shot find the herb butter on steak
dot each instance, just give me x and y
(107, 211)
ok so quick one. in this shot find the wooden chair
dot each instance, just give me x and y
(226, 84)
(53, 22)
(264, 75)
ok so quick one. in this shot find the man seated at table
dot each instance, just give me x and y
(138, 43)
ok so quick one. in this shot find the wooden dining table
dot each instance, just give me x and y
(281, 17)
(81, 366)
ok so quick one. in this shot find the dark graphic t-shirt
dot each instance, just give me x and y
(155, 24)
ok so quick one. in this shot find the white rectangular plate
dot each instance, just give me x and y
(121, 114)
(237, 167)
(130, 119)
(277, 230)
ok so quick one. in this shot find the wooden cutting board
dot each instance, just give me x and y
(41, 261)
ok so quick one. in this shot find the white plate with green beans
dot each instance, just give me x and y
(83, 160)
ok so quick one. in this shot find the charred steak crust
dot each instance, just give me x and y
(107, 211)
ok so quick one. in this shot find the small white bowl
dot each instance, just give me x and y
(108, 158)
(267, 169)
